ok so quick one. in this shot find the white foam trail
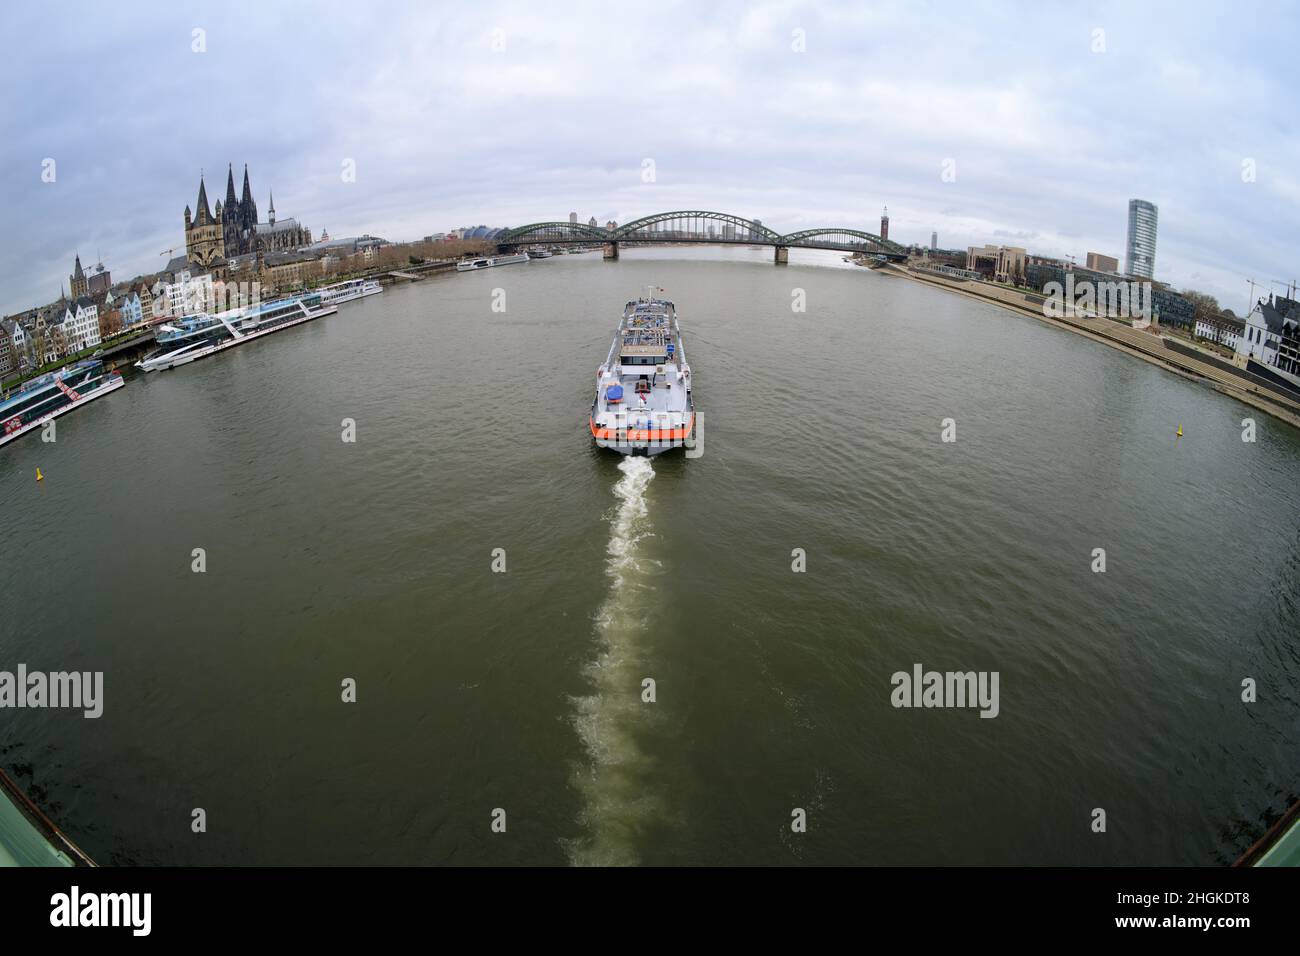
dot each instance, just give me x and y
(617, 795)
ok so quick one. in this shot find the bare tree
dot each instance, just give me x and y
(1206, 306)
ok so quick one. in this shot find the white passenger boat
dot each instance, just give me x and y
(349, 290)
(643, 403)
(195, 337)
(470, 265)
(48, 396)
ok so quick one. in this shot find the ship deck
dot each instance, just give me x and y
(647, 352)
(667, 393)
(663, 396)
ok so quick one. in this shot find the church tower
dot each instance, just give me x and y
(202, 211)
(204, 243)
(78, 281)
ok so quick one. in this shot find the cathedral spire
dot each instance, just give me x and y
(247, 209)
(203, 212)
(230, 185)
(270, 216)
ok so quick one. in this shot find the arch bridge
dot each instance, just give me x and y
(699, 226)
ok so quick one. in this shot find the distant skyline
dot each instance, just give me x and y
(796, 114)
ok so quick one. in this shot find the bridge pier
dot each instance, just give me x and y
(782, 255)
(611, 251)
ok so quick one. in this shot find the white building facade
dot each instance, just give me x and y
(1221, 329)
(80, 326)
(1272, 338)
(187, 295)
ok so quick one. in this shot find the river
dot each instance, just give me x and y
(523, 691)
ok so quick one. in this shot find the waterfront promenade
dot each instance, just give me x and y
(1145, 345)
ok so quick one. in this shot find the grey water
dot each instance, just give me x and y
(525, 691)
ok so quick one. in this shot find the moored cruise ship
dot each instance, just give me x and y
(470, 265)
(349, 290)
(186, 340)
(50, 395)
(643, 403)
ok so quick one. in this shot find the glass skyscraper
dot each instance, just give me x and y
(1140, 259)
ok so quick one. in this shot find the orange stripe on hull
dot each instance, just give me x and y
(601, 433)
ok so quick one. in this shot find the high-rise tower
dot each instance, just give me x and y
(1140, 255)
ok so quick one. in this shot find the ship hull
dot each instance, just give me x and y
(337, 296)
(644, 443)
(172, 360)
(115, 381)
(352, 297)
(490, 263)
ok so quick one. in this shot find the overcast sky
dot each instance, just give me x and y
(509, 113)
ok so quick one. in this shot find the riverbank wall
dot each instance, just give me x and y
(1143, 344)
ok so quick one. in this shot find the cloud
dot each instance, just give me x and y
(505, 113)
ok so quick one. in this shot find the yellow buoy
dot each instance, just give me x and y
(1180, 429)
(39, 476)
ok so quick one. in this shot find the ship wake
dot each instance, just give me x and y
(615, 783)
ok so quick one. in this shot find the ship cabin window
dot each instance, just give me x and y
(30, 402)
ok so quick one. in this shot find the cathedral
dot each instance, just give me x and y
(233, 230)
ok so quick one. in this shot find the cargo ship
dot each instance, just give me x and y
(36, 402)
(644, 403)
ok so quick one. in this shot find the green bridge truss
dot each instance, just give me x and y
(703, 226)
